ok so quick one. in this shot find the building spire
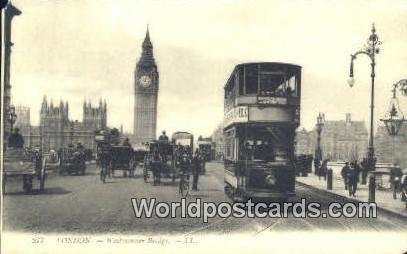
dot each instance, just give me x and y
(44, 106)
(147, 57)
(147, 42)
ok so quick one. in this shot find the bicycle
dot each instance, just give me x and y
(184, 185)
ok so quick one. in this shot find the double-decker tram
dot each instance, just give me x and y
(261, 113)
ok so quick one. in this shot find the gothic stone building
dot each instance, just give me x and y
(57, 130)
(146, 92)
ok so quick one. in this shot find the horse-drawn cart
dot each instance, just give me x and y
(29, 165)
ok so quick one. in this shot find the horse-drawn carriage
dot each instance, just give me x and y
(112, 156)
(160, 157)
(72, 161)
(164, 157)
(28, 164)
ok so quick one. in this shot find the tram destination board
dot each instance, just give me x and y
(268, 100)
(237, 115)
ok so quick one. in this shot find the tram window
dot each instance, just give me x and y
(252, 76)
(256, 150)
(241, 81)
(272, 84)
(292, 86)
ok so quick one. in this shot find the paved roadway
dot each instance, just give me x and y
(80, 204)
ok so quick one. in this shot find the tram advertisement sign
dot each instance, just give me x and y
(267, 100)
(237, 115)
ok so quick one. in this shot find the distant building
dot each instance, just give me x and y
(340, 140)
(218, 141)
(391, 149)
(23, 123)
(303, 144)
(23, 116)
(57, 130)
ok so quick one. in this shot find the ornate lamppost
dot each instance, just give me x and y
(371, 49)
(318, 150)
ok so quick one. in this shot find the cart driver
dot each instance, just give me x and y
(16, 140)
(163, 137)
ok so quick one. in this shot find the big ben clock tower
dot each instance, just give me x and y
(146, 92)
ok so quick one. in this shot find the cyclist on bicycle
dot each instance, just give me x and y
(185, 164)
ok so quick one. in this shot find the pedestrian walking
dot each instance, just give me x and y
(395, 179)
(105, 158)
(324, 168)
(344, 174)
(353, 175)
(196, 170)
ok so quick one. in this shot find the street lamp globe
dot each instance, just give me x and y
(394, 118)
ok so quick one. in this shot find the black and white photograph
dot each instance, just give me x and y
(188, 126)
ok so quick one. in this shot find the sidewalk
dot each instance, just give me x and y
(384, 198)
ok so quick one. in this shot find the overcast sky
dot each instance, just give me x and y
(87, 49)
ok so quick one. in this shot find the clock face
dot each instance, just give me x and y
(145, 81)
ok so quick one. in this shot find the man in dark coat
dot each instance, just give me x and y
(105, 157)
(353, 178)
(196, 170)
(344, 174)
(16, 140)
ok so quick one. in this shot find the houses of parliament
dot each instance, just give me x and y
(56, 130)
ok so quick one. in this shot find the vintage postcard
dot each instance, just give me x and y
(179, 126)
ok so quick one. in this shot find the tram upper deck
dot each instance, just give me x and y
(263, 92)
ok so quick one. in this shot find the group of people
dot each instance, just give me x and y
(350, 175)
